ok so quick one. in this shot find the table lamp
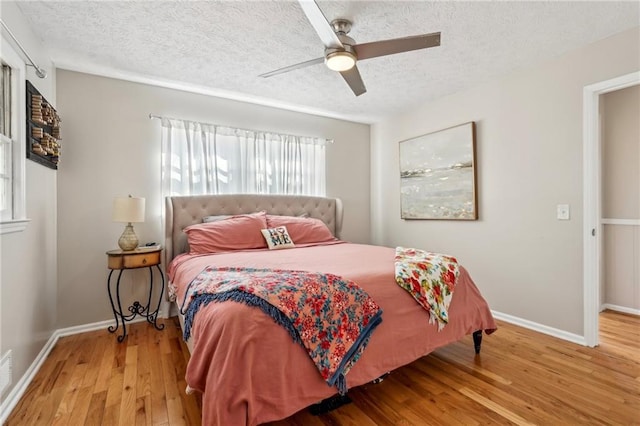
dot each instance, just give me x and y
(128, 209)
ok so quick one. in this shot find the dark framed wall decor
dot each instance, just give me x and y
(438, 175)
(43, 129)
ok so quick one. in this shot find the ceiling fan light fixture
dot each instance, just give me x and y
(340, 60)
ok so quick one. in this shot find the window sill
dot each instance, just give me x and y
(11, 226)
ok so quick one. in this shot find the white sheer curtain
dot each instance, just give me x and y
(200, 158)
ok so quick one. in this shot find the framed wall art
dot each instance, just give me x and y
(438, 175)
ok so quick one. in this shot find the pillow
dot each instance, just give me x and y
(302, 230)
(239, 232)
(277, 238)
(208, 219)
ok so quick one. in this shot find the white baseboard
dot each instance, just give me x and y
(541, 328)
(622, 309)
(21, 385)
(19, 389)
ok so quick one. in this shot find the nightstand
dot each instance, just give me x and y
(121, 261)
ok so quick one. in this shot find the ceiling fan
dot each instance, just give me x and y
(341, 51)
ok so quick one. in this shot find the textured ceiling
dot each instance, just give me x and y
(225, 45)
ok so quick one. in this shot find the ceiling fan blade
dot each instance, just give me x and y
(353, 79)
(320, 24)
(292, 67)
(396, 45)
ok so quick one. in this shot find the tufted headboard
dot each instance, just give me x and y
(182, 211)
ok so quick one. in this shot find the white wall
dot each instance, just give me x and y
(529, 158)
(111, 148)
(28, 259)
(621, 196)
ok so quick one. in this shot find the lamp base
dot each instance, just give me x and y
(128, 240)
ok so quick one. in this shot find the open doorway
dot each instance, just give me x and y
(621, 200)
(593, 210)
(620, 160)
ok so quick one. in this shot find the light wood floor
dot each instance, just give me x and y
(521, 377)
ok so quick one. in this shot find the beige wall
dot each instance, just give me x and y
(28, 260)
(111, 148)
(529, 157)
(621, 196)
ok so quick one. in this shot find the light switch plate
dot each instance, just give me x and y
(563, 212)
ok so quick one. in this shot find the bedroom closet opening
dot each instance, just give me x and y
(620, 209)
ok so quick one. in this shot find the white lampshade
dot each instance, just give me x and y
(128, 209)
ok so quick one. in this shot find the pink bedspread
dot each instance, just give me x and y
(249, 369)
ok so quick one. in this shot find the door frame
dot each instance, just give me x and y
(592, 207)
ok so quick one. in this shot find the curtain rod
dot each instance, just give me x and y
(39, 71)
(159, 117)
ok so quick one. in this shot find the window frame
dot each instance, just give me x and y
(17, 220)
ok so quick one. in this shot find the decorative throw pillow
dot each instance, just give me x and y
(239, 232)
(277, 238)
(303, 230)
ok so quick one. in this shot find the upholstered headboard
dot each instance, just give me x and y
(183, 211)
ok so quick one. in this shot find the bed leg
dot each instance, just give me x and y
(477, 340)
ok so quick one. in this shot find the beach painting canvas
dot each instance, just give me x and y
(437, 175)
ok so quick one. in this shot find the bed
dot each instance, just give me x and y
(247, 367)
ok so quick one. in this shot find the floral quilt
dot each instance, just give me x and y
(430, 278)
(332, 318)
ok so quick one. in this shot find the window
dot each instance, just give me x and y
(199, 158)
(12, 154)
(6, 187)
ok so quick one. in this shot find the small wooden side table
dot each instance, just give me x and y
(134, 259)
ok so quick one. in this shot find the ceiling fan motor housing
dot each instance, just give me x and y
(341, 28)
(329, 51)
